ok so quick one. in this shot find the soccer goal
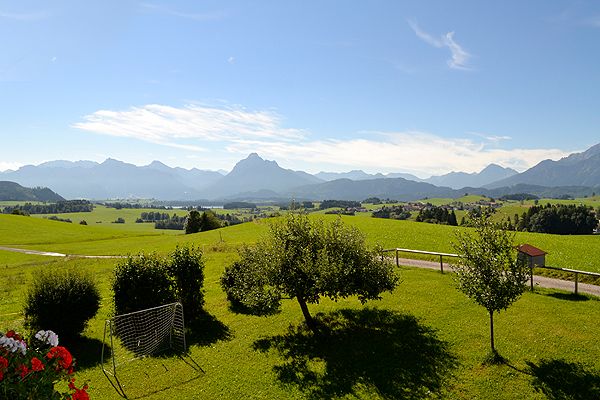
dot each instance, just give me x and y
(140, 334)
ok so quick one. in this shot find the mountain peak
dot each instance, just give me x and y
(254, 156)
(251, 162)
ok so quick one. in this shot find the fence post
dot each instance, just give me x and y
(531, 278)
(441, 264)
(576, 279)
(397, 260)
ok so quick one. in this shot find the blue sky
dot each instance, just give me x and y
(385, 86)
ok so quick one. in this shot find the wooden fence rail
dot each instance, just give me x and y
(442, 255)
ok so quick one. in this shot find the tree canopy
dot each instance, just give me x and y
(306, 259)
(488, 270)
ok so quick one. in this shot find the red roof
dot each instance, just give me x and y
(531, 251)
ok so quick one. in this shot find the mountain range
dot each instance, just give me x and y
(11, 191)
(455, 180)
(255, 178)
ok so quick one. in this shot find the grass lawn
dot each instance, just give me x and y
(425, 340)
(426, 336)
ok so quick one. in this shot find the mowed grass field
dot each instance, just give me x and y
(425, 340)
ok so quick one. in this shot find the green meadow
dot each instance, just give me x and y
(424, 340)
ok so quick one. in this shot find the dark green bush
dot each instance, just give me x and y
(142, 282)
(61, 301)
(247, 286)
(186, 268)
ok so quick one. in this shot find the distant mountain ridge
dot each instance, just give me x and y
(454, 180)
(114, 179)
(457, 180)
(577, 169)
(12, 191)
(256, 174)
(256, 178)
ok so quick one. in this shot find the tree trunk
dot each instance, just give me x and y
(310, 322)
(492, 331)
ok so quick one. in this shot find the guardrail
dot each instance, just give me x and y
(576, 272)
(431, 253)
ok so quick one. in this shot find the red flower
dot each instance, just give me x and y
(36, 364)
(10, 333)
(80, 394)
(65, 360)
(22, 370)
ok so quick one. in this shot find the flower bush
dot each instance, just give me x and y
(30, 371)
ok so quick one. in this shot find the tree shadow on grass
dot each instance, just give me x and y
(562, 380)
(206, 329)
(390, 352)
(569, 296)
(86, 351)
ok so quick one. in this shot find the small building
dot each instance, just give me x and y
(532, 255)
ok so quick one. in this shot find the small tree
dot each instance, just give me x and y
(192, 222)
(305, 259)
(186, 268)
(488, 270)
(209, 221)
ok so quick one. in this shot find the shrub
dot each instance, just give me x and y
(62, 301)
(247, 286)
(186, 268)
(142, 282)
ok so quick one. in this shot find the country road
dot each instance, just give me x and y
(52, 254)
(542, 281)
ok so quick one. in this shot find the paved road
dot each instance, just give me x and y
(51, 254)
(541, 281)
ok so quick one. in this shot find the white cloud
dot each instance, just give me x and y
(176, 127)
(459, 57)
(491, 138)
(415, 152)
(231, 60)
(9, 165)
(232, 132)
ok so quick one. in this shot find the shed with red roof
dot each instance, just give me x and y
(532, 255)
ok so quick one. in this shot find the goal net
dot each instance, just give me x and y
(141, 334)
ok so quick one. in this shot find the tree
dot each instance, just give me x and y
(209, 221)
(192, 223)
(488, 270)
(186, 268)
(306, 259)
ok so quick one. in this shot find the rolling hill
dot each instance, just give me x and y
(11, 191)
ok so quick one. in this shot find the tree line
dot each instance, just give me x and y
(558, 219)
(392, 212)
(60, 207)
(437, 215)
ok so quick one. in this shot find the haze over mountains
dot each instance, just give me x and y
(256, 178)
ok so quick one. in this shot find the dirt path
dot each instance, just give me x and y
(541, 281)
(51, 254)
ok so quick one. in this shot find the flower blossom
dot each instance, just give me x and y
(36, 364)
(47, 337)
(65, 360)
(13, 343)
